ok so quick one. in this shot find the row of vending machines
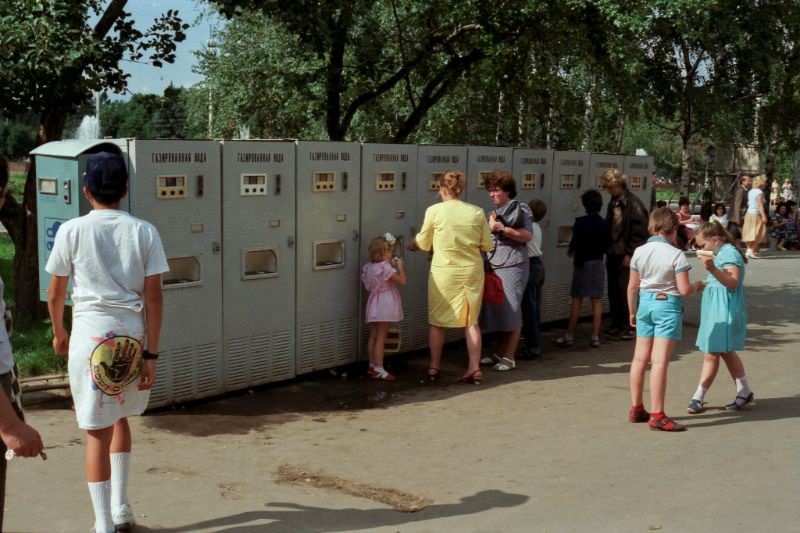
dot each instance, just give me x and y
(265, 241)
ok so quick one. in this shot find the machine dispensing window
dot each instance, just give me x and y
(328, 255)
(258, 264)
(385, 181)
(398, 250)
(434, 183)
(183, 272)
(636, 183)
(568, 181)
(324, 181)
(254, 185)
(564, 235)
(171, 187)
(482, 177)
(529, 181)
(48, 186)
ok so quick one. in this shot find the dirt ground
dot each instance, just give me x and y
(545, 448)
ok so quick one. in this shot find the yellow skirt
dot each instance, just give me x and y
(753, 229)
(455, 295)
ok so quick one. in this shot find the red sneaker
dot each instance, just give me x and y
(665, 424)
(638, 415)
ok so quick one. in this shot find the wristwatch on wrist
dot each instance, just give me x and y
(149, 356)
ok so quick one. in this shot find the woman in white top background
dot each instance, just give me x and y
(755, 219)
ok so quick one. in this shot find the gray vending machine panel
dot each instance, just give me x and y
(258, 264)
(389, 204)
(483, 161)
(570, 179)
(175, 185)
(432, 161)
(639, 170)
(328, 180)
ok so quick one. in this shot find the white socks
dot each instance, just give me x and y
(100, 493)
(700, 393)
(742, 387)
(119, 480)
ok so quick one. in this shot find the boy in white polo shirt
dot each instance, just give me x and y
(659, 278)
(115, 262)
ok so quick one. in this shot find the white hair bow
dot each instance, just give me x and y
(389, 237)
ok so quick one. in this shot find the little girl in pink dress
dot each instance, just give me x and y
(381, 279)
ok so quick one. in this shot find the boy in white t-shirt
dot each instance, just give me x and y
(659, 278)
(115, 261)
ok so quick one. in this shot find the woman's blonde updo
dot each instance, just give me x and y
(453, 182)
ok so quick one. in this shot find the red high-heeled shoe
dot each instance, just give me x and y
(434, 374)
(475, 378)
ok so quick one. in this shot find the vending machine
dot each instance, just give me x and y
(59, 181)
(389, 204)
(258, 263)
(482, 162)
(175, 185)
(328, 210)
(432, 162)
(570, 180)
(640, 170)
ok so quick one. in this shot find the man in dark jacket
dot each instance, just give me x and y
(738, 206)
(628, 219)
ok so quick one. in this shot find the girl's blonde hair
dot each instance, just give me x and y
(453, 182)
(760, 181)
(715, 230)
(662, 220)
(377, 248)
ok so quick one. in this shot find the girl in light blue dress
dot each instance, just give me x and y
(723, 316)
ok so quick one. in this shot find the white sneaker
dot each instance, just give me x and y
(489, 360)
(123, 519)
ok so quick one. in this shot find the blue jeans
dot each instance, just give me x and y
(532, 305)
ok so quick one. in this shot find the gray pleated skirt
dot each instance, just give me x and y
(508, 315)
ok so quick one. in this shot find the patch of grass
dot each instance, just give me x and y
(31, 341)
(16, 185)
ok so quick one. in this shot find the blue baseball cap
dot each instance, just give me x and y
(105, 174)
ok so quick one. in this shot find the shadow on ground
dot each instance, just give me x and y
(295, 518)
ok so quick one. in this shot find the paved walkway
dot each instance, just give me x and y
(543, 449)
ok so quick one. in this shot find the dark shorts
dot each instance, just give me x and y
(588, 280)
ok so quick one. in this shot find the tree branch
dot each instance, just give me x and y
(110, 16)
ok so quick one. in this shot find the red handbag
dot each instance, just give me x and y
(493, 288)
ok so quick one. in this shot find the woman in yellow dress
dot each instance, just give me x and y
(457, 232)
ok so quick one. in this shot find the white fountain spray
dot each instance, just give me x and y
(90, 125)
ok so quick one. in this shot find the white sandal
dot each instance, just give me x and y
(504, 365)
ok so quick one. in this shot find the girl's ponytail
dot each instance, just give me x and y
(710, 230)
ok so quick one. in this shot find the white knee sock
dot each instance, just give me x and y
(700, 393)
(742, 387)
(100, 493)
(119, 480)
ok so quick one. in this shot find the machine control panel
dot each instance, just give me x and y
(171, 187)
(636, 183)
(385, 181)
(434, 183)
(568, 181)
(482, 177)
(529, 181)
(324, 181)
(254, 185)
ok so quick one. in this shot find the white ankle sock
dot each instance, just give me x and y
(742, 387)
(700, 393)
(120, 463)
(100, 493)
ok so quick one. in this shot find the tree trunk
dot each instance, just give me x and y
(620, 130)
(20, 221)
(501, 137)
(686, 168)
(588, 116)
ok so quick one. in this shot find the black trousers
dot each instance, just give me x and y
(618, 277)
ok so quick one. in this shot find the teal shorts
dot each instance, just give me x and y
(659, 315)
